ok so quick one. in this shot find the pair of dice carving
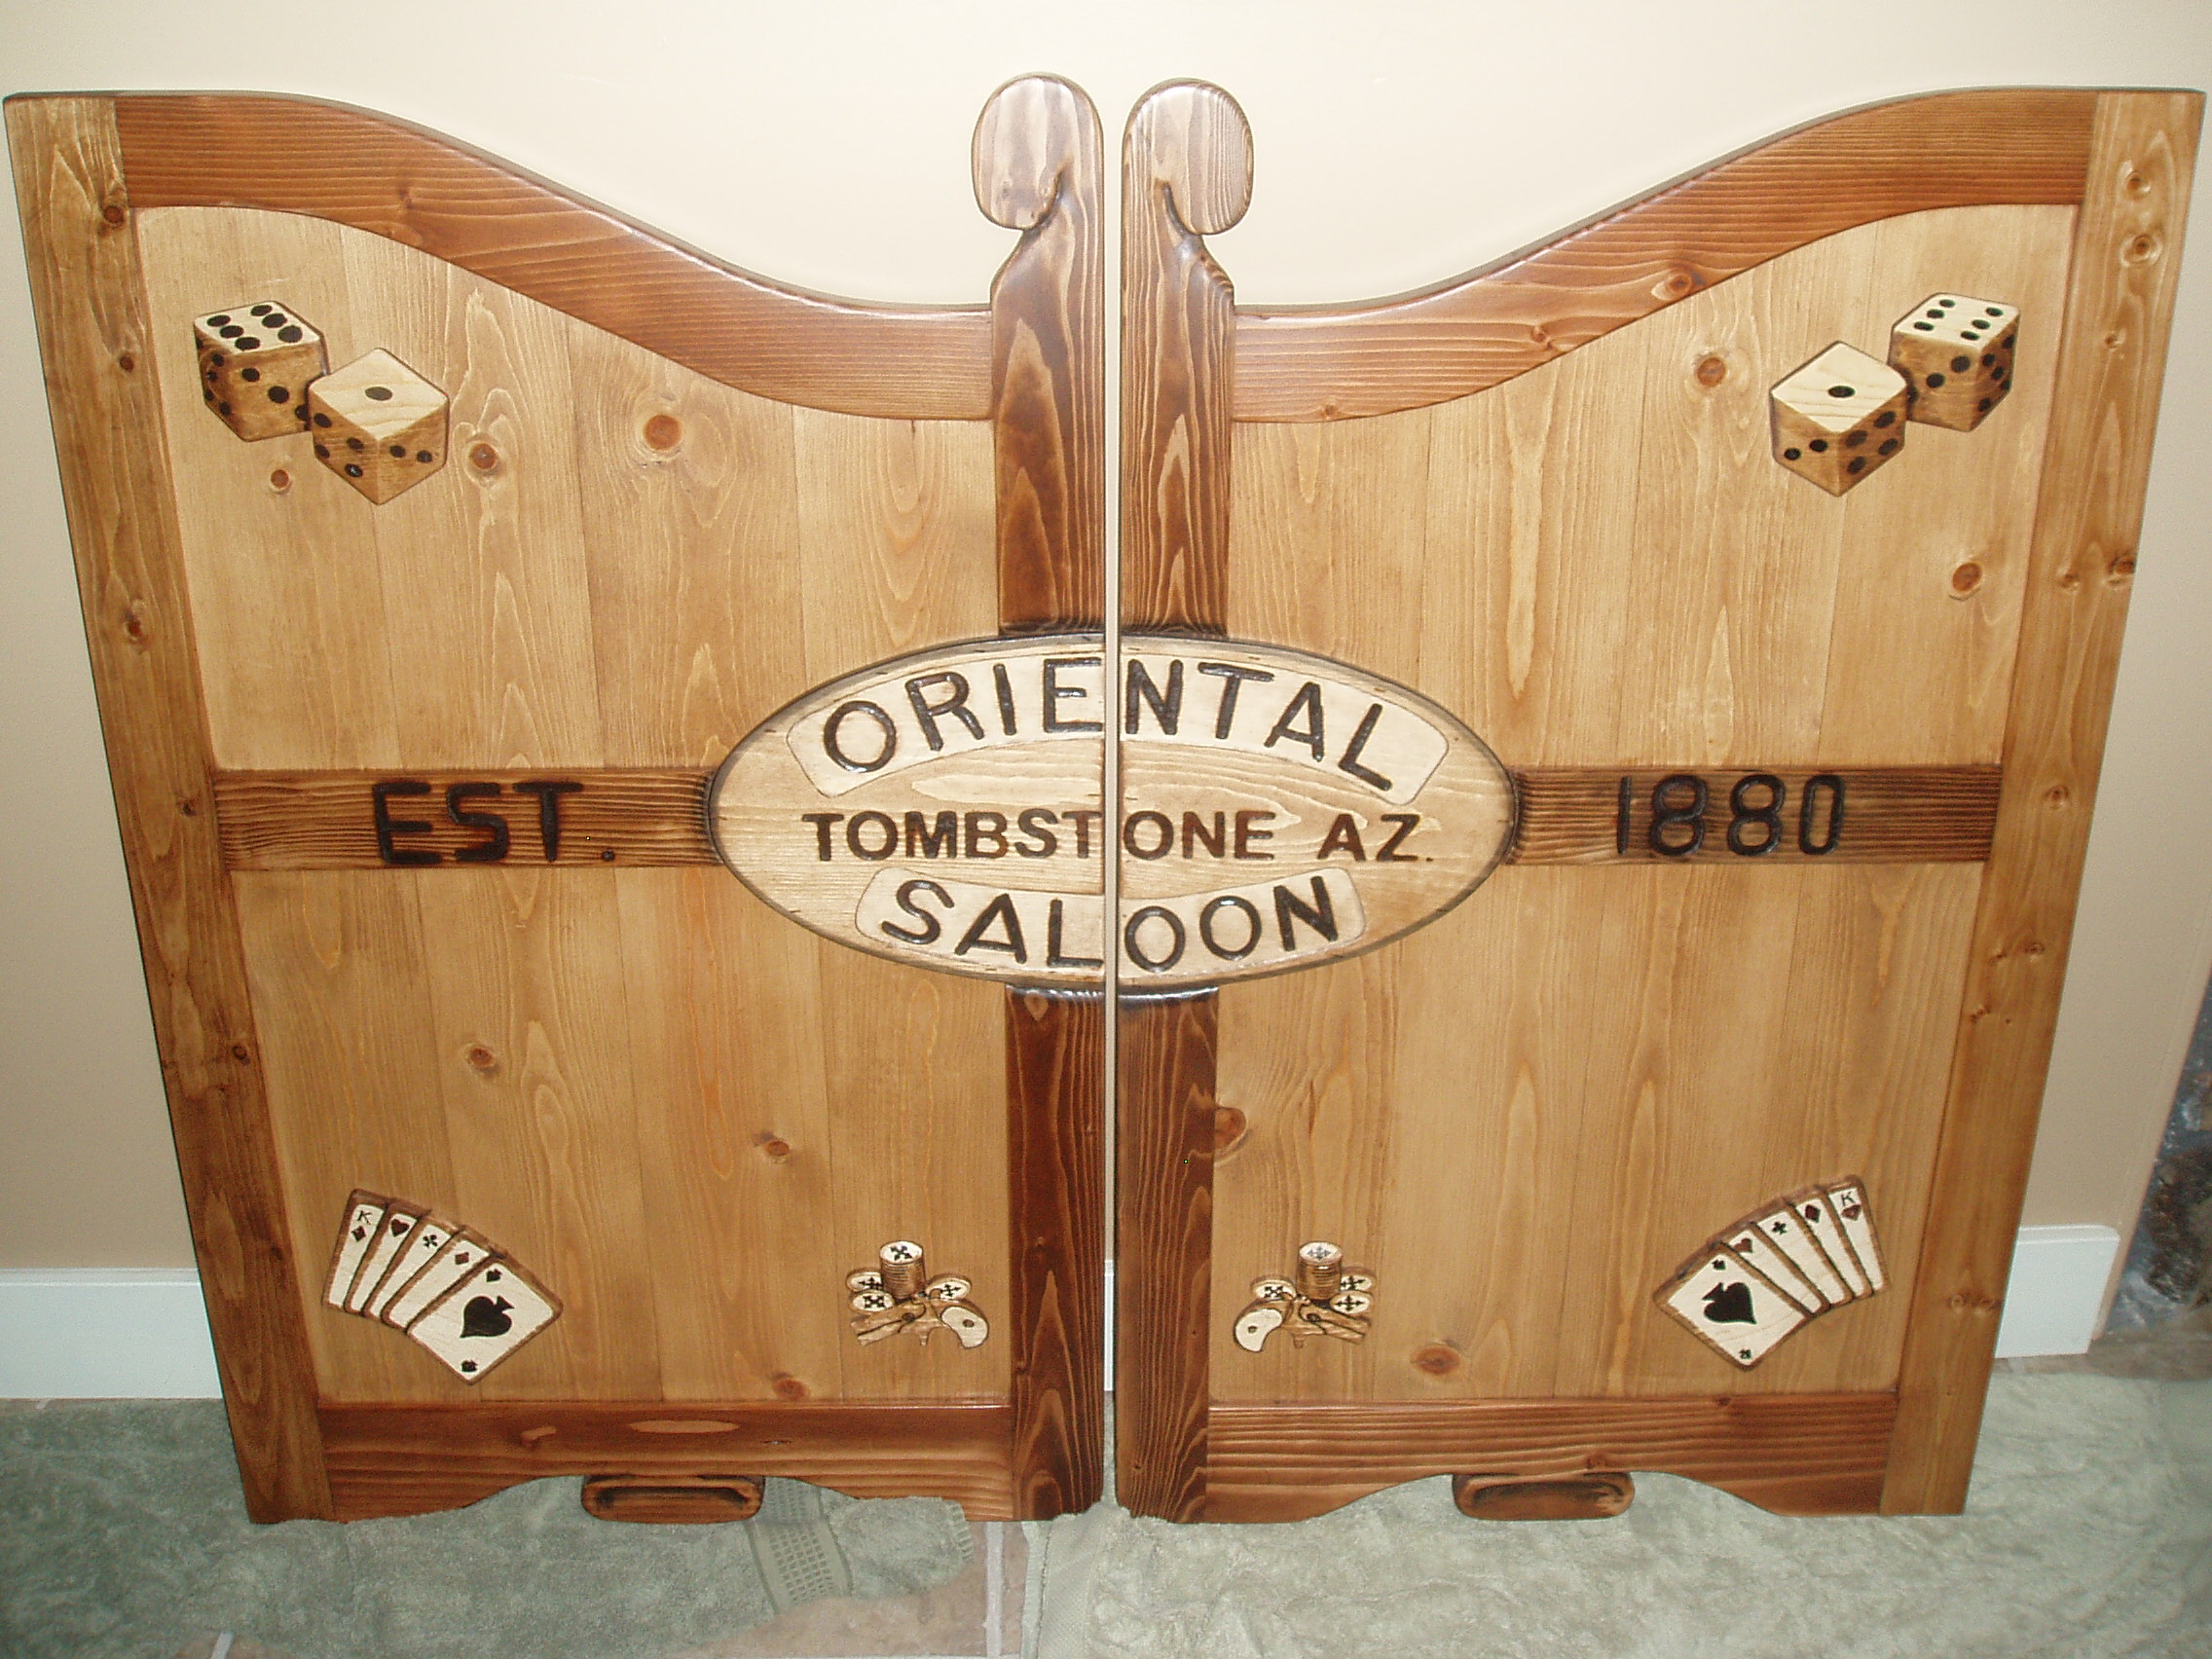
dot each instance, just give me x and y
(376, 423)
(1839, 417)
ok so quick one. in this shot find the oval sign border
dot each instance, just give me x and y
(775, 730)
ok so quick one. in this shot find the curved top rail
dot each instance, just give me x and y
(394, 179)
(2025, 145)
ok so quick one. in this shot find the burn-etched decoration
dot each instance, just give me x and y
(898, 1295)
(1278, 810)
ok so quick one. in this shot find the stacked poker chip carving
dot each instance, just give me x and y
(465, 1301)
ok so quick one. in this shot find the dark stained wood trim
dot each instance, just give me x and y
(327, 820)
(1056, 1064)
(1891, 815)
(2082, 563)
(354, 167)
(1186, 173)
(1164, 1254)
(648, 817)
(90, 292)
(415, 1458)
(1943, 150)
(1793, 1453)
(1039, 171)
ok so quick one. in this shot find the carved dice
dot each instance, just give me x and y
(255, 363)
(1957, 353)
(1838, 416)
(378, 425)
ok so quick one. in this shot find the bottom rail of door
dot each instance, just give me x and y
(1792, 1453)
(389, 1459)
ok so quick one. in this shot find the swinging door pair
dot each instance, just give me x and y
(612, 755)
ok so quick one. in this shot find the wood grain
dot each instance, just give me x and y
(1038, 171)
(1795, 1454)
(379, 174)
(1186, 173)
(409, 1461)
(97, 340)
(328, 819)
(1164, 1254)
(2088, 514)
(2027, 145)
(1596, 1495)
(656, 817)
(673, 1500)
(1900, 815)
(1056, 1056)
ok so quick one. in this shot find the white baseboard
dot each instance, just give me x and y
(2057, 1292)
(104, 1334)
(141, 1333)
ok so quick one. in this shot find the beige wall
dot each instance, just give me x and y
(826, 145)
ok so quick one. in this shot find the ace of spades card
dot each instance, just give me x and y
(1729, 1305)
(484, 1318)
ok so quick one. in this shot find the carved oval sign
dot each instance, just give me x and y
(1278, 810)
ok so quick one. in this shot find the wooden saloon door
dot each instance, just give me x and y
(440, 536)
(1800, 770)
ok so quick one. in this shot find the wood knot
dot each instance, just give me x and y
(1438, 1359)
(790, 1387)
(483, 457)
(1966, 578)
(126, 363)
(241, 1053)
(2137, 184)
(480, 1059)
(2058, 796)
(774, 1149)
(114, 212)
(1676, 285)
(663, 433)
(2142, 248)
(1712, 371)
(134, 625)
(1228, 1127)
(2121, 567)
(2069, 579)
(279, 481)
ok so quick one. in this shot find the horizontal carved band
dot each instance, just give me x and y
(1290, 1461)
(2021, 145)
(412, 1459)
(395, 180)
(657, 817)
(1849, 814)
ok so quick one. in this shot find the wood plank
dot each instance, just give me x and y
(596, 815)
(2027, 145)
(1056, 1055)
(1164, 1254)
(1899, 815)
(408, 1461)
(398, 181)
(1185, 175)
(2088, 514)
(1038, 171)
(1287, 1462)
(653, 817)
(96, 337)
